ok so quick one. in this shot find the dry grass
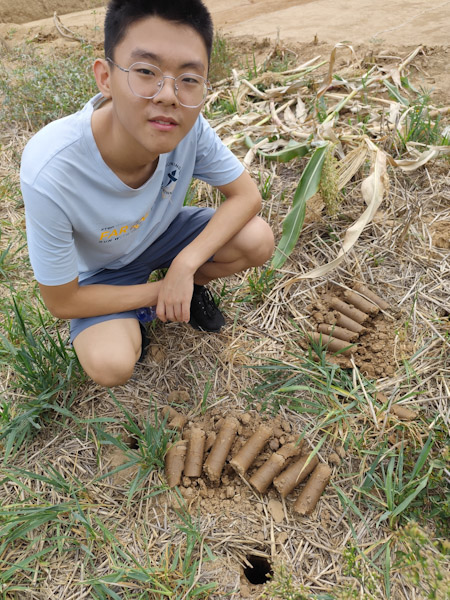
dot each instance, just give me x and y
(99, 538)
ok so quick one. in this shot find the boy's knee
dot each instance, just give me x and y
(260, 242)
(110, 371)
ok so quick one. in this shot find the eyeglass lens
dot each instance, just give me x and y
(146, 81)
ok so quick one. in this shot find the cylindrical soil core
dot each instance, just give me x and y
(349, 311)
(251, 449)
(347, 323)
(174, 463)
(264, 476)
(313, 489)
(338, 332)
(333, 344)
(216, 460)
(362, 289)
(361, 303)
(194, 457)
(294, 474)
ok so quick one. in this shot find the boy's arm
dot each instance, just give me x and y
(71, 301)
(242, 203)
(173, 294)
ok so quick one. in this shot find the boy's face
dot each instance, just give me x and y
(156, 125)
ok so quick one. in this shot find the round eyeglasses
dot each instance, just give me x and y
(146, 81)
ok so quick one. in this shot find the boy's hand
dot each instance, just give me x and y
(175, 295)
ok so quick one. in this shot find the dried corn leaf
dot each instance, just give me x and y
(372, 189)
(329, 76)
(422, 159)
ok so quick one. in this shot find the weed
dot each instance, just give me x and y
(394, 487)
(251, 67)
(44, 371)
(424, 563)
(311, 385)
(265, 185)
(282, 587)
(223, 106)
(41, 89)
(221, 59)
(260, 283)
(152, 441)
(419, 127)
(10, 189)
(173, 574)
(321, 109)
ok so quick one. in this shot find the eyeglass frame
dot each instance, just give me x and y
(163, 78)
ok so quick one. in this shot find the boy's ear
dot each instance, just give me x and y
(102, 76)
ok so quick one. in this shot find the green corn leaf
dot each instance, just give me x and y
(292, 150)
(293, 223)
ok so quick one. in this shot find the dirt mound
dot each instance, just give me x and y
(21, 11)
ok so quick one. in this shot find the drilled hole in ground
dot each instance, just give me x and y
(130, 441)
(258, 570)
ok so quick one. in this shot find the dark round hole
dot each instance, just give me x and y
(259, 570)
(130, 441)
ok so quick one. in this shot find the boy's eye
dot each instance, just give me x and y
(145, 70)
(190, 80)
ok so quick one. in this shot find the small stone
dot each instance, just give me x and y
(186, 481)
(158, 354)
(276, 510)
(274, 444)
(278, 432)
(245, 419)
(283, 440)
(230, 491)
(286, 426)
(334, 458)
(178, 397)
(340, 450)
(282, 538)
(237, 498)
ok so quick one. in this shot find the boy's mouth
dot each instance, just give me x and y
(163, 123)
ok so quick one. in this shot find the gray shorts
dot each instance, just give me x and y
(182, 231)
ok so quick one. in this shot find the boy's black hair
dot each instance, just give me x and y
(120, 14)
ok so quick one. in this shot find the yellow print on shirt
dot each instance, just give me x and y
(114, 233)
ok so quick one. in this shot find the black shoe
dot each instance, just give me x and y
(145, 342)
(205, 315)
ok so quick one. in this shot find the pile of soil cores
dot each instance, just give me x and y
(371, 335)
(228, 458)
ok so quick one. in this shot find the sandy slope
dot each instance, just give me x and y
(386, 26)
(395, 22)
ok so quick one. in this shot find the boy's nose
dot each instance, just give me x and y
(167, 93)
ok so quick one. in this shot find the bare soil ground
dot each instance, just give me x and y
(397, 256)
(385, 27)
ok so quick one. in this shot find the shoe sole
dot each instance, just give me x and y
(196, 326)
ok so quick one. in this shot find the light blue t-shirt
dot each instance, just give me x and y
(81, 218)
